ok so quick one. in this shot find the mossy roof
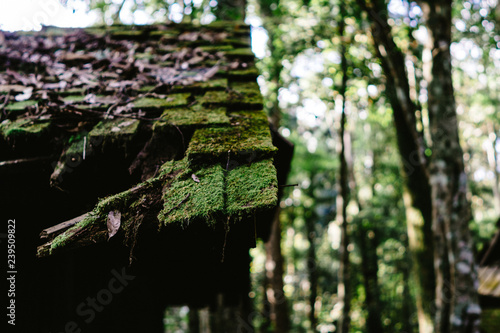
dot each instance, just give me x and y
(182, 99)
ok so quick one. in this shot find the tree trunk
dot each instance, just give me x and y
(411, 147)
(457, 307)
(274, 271)
(344, 289)
(312, 268)
(493, 162)
(369, 267)
(194, 321)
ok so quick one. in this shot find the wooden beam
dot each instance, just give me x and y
(61, 227)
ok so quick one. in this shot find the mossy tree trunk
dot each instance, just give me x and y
(437, 187)
(457, 307)
(411, 147)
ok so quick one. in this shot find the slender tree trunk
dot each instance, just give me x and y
(274, 271)
(343, 197)
(369, 267)
(194, 321)
(493, 162)
(457, 307)
(312, 269)
(266, 307)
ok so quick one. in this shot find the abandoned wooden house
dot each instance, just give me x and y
(140, 168)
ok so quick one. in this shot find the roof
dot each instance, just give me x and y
(489, 274)
(489, 281)
(178, 104)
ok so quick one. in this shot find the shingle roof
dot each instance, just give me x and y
(489, 281)
(180, 103)
(489, 270)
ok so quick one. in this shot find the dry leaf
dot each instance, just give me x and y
(196, 179)
(25, 95)
(114, 221)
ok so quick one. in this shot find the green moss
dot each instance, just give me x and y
(72, 92)
(74, 98)
(70, 158)
(195, 116)
(249, 74)
(128, 34)
(251, 188)
(24, 128)
(145, 89)
(243, 42)
(187, 200)
(67, 237)
(96, 31)
(214, 98)
(20, 106)
(115, 127)
(247, 139)
(168, 34)
(212, 84)
(54, 31)
(490, 320)
(102, 101)
(215, 48)
(93, 226)
(241, 96)
(170, 168)
(247, 94)
(144, 56)
(171, 101)
(243, 53)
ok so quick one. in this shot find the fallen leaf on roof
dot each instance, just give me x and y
(113, 224)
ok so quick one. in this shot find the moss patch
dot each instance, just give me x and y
(241, 53)
(248, 139)
(246, 95)
(24, 128)
(215, 48)
(251, 188)
(115, 127)
(93, 229)
(195, 116)
(249, 74)
(187, 200)
(490, 320)
(20, 106)
(118, 132)
(238, 43)
(171, 101)
(215, 98)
